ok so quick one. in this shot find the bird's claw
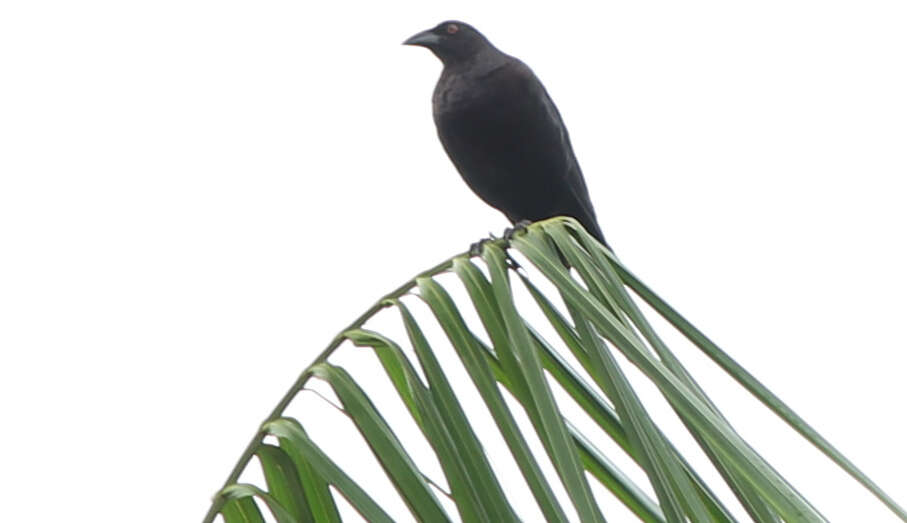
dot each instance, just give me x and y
(518, 227)
(512, 263)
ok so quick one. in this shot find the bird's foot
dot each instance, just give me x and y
(518, 227)
(476, 248)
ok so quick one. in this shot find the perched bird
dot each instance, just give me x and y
(502, 131)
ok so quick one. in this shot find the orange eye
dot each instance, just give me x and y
(452, 28)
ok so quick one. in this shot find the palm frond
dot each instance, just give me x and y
(594, 324)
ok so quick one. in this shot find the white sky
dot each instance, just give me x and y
(196, 196)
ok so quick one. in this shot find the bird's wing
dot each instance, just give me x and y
(577, 200)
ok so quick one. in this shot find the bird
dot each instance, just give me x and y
(502, 131)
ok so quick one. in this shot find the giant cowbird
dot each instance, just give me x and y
(502, 131)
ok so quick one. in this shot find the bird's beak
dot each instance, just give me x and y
(424, 39)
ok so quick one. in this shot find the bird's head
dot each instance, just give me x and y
(451, 41)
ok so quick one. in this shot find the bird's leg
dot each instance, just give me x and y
(518, 227)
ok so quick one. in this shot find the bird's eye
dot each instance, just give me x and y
(452, 28)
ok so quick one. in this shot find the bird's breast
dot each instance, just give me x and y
(457, 95)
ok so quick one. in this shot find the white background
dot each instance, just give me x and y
(196, 196)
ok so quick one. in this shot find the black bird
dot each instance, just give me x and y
(502, 131)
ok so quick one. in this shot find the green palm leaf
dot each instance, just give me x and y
(518, 373)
